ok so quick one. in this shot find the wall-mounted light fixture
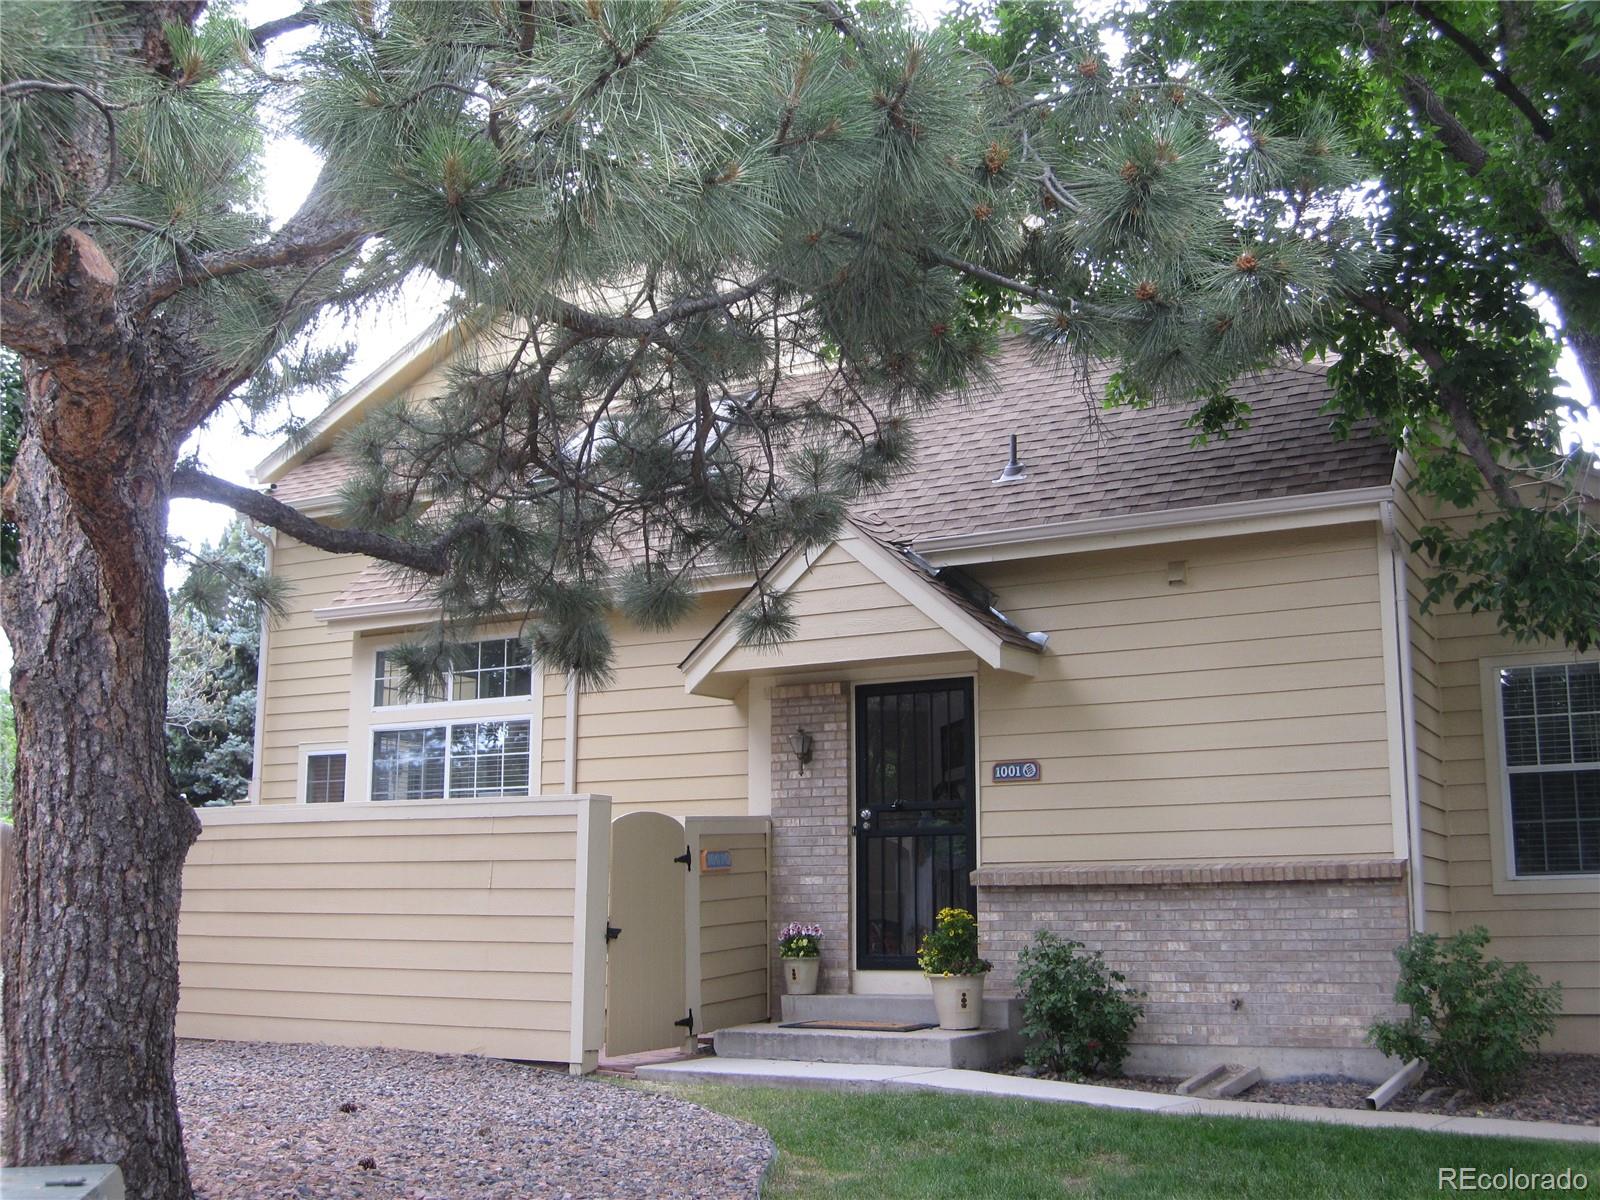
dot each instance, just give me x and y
(800, 743)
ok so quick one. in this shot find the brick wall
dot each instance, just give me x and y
(1309, 962)
(811, 821)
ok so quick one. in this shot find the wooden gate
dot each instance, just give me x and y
(645, 1005)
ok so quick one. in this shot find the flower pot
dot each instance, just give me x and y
(958, 999)
(800, 976)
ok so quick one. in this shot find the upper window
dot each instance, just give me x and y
(1551, 721)
(490, 670)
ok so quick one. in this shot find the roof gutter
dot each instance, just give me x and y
(422, 608)
(1206, 520)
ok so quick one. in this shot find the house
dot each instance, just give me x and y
(1179, 703)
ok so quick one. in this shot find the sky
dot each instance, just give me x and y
(290, 168)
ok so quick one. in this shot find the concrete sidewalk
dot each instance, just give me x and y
(772, 1072)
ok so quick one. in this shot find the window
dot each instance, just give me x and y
(501, 667)
(1550, 721)
(489, 758)
(466, 759)
(489, 670)
(392, 687)
(325, 778)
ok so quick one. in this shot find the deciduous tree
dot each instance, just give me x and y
(1477, 122)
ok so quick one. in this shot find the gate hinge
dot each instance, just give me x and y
(612, 932)
(688, 865)
(687, 1023)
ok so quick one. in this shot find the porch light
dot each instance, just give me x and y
(800, 743)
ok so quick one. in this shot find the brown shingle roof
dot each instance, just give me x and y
(317, 478)
(1083, 462)
(382, 583)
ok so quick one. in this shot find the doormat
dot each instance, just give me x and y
(863, 1026)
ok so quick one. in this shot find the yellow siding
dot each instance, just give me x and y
(1552, 926)
(308, 665)
(734, 945)
(646, 742)
(418, 929)
(1237, 716)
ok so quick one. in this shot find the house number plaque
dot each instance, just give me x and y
(712, 861)
(1023, 770)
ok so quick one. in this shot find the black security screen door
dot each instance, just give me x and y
(914, 814)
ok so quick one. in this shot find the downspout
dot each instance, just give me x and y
(1408, 717)
(252, 793)
(569, 771)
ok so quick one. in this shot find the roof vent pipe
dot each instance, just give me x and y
(1013, 468)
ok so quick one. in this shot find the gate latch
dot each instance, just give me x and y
(612, 932)
(688, 865)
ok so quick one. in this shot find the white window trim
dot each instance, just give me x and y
(535, 682)
(302, 775)
(367, 718)
(448, 722)
(1498, 789)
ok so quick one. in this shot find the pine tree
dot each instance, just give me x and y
(211, 683)
(651, 212)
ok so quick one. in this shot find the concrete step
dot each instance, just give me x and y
(999, 1012)
(977, 1049)
(1236, 1079)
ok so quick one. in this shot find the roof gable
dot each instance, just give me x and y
(856, 600)
(404, 369)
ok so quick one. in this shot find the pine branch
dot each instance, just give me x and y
(316, 231)
(22, 87)
(974, 271)
(267, 30)
(581, 320)
(836, 16)
(432, 558)
(289, 322)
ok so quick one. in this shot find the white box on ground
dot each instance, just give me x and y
(98, 1181)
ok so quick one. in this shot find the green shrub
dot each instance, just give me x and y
(1077, 1015)
(1477, 1021)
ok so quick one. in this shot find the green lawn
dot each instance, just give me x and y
(963, 1148)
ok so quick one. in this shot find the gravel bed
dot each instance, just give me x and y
(330, 1123)
(1558, 1087)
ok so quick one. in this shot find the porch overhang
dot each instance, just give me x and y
(898, 612)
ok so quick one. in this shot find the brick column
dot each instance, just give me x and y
(811, 822)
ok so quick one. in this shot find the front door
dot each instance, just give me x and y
(915, 834)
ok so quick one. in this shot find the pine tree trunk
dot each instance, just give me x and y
(91, 960)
